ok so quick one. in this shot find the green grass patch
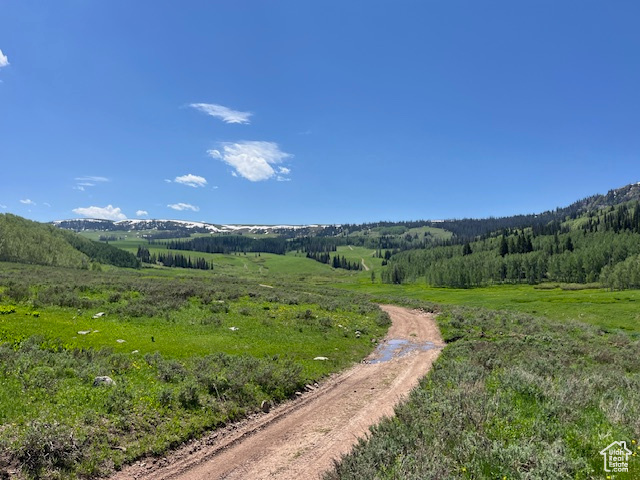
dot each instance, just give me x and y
(512, 396)
(187, 350)
(597, 306)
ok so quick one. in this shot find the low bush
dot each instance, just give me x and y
(512, 396)
(47, 449)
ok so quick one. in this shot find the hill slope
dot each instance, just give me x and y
(25, 241)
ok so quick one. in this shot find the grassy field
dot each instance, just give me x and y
(433, 232)
(512, 396)
(533, 383)
(188, 350)
(606, 309)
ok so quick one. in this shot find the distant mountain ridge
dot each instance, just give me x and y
(462, 228)
(617, 196)
(81, 224)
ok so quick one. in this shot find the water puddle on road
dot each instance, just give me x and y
(398, 348)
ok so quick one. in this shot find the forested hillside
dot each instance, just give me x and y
(602, 245)
(25, 241)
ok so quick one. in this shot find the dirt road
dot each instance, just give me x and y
(299, 439)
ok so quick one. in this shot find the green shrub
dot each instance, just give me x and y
(165, 397)
(47, 448)
(18, 292)
(189, 396)
(171, 371)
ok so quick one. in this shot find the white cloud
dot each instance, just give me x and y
(92, 179)
(183, 206)
(106, 213)
(4, 61)
(46, 204)
(88, 181)
(142, 213)
(223, 113)
(252, 160)
(3, 206)
(28, 201)
(191, 180)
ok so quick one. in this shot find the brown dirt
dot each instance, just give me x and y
(300, 439)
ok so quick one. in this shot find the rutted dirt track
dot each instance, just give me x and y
(299, 439)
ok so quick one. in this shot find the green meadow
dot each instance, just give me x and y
(188, 350)
(533, 382)
(609, 310)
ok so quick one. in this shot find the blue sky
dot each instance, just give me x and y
(314, 112)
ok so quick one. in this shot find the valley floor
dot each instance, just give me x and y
(302, 438)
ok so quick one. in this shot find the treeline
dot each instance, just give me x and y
(336, 261)
(166, 234)
(624, 275)
(621, 219)
(599, 251)
(316, 244)
(101, 252)
(230, 244)
(173, 259)
(109, 238)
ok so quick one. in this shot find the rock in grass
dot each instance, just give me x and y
(321, 358)
(104, 380)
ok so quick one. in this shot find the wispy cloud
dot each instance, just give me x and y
(223, 113)
(191, 180)
(142, 213)
(3, 206)
(27, 201)
(4, 61)
(92, 179)
(253, 160)
(88, 181)
(47, 204)
(107, 213)
(183, 206)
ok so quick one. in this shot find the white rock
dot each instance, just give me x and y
(103, 380)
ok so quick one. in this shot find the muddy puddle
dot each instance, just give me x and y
(397, 348)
